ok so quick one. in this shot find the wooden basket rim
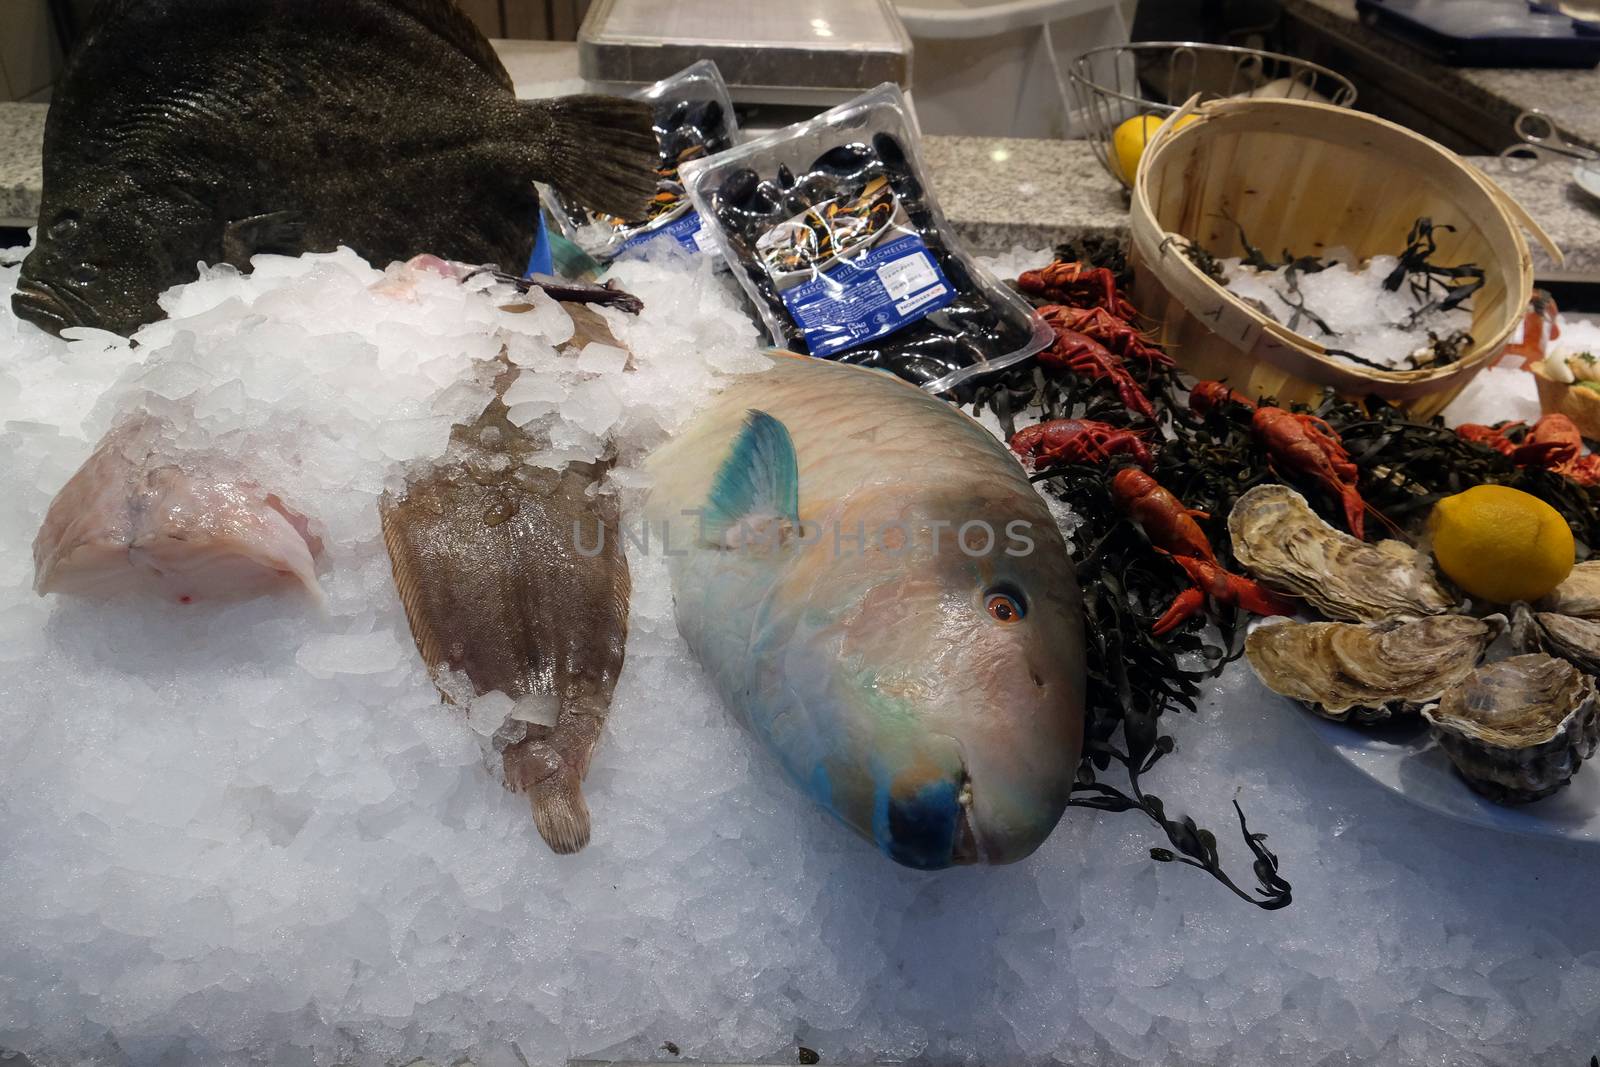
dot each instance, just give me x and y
(1154, 239)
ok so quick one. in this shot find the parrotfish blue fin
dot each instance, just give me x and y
(758, 483)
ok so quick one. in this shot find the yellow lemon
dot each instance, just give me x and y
(1501, 544)
(1130, 138)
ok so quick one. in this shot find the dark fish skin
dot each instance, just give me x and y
(487, 564)
(213, 130)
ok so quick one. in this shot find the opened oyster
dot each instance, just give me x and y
(1281, 541)
(1575, 640)
(1369, 671)
(1579, 595)
(1518, 729)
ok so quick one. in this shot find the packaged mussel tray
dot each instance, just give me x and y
(693, 119)
(834, 233)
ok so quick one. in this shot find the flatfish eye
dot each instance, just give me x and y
(65, 225)
(85, 274)
(1004, 607)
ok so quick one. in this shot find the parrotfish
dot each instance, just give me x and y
(213, 130)
(141, 515)
(885, 601)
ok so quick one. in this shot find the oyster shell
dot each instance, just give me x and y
(1578, 595)
(1518, 729)
(1573, 639)
(1369, 671)
(1281, 541)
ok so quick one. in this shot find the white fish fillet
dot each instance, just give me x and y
(137, 518)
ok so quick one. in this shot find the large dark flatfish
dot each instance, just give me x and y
(497, 566)
(212, 130)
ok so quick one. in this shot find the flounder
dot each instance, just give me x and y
(492, 562)
(212, 130)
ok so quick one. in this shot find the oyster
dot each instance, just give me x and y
(1281, 541)
(1369, 671)
(1520, 728)
(1575, 640)
(1578, 595)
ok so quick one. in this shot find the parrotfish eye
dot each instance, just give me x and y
(1004, 606)
(85, 274)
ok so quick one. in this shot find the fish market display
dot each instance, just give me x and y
(488, 559)
(141, 514)
(1280, 540)
(248, 832)
(1517, 730)
(1369, 671)
(884, 601)
(193, 130)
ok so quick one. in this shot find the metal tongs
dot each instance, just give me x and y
(1539, 141)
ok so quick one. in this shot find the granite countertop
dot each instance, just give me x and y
(997, 192)
(1571, 97)
(21, 172)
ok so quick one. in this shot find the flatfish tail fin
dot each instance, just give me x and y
(550, 765)
(600, 150)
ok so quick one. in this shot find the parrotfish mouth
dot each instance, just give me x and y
(41, 305)
(934, 828)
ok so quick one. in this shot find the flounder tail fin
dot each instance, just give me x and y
(550, 766)
(756, 492)
(600, 150)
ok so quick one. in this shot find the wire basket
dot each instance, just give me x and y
(1113, 84)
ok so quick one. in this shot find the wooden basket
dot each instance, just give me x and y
(1307, 177)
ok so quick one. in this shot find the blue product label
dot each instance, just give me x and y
(868, 296)
(687, 231)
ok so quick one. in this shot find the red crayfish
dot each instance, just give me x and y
(1079, 286)
(1078, 441)
(1206, 396)
(1112, 332)
(1489, 436)
(1173, 531)
(1554, 443)
(1540, 326)
(1081, 354)
(1301, 444)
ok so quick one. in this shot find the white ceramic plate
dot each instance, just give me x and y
(1587, 175)
(1405, 760)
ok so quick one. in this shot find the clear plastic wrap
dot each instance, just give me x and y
(693, 118)
(831, 228)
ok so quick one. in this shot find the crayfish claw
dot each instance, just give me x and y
(1185, 606)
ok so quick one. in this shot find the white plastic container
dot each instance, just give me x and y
(997, 68)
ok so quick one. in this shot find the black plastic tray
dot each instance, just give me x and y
(1582, 49)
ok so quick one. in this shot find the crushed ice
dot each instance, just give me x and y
(1346, 307)
(249, 834)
